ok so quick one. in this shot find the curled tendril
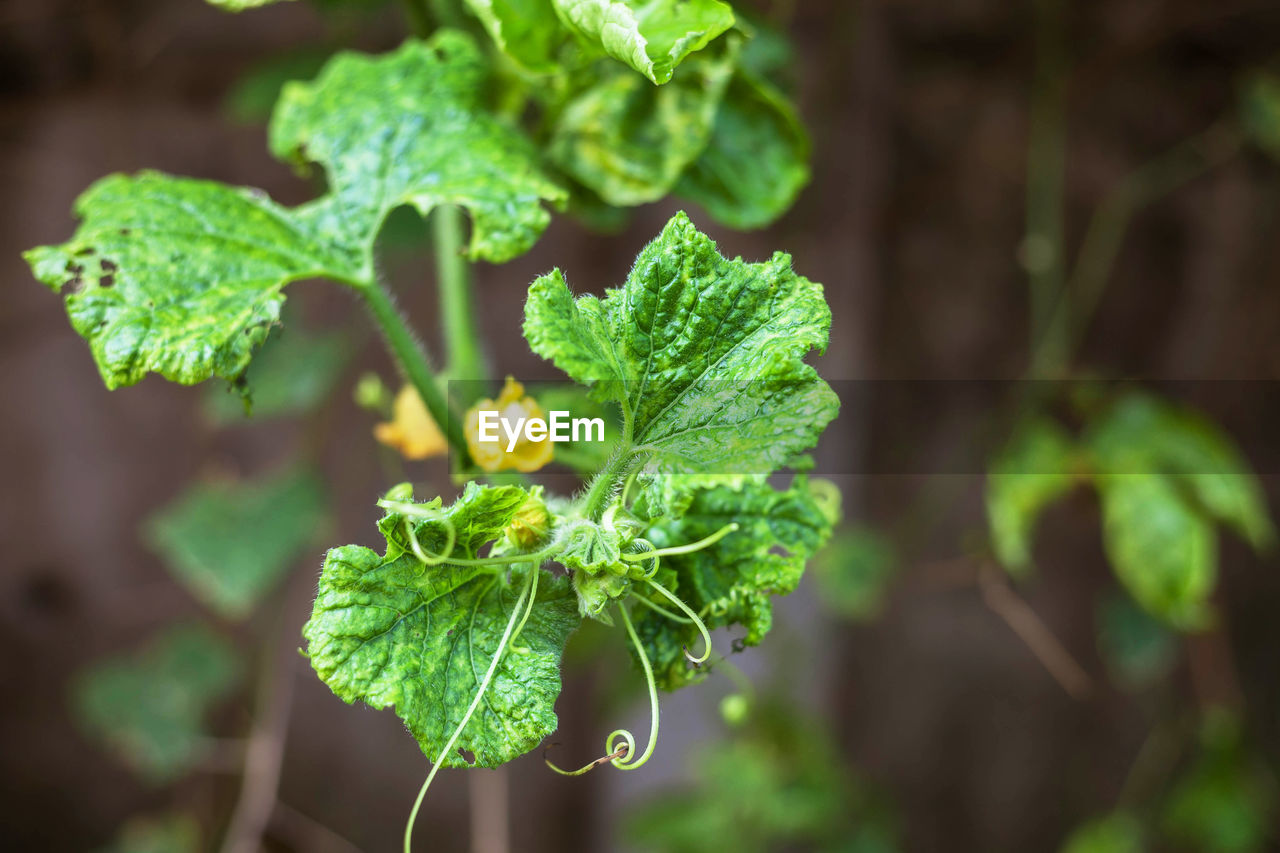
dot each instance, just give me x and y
(647, 551)
(623, 755)
(693, 618)
(412, 510)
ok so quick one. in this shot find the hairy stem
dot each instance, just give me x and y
(523, 603)
(414, 362)
(606, 483)
(466, 361)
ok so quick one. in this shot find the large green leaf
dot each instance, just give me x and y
(149, 707)
(733, 581)
(410, 128)
(629, 141)
(704, 354)
(389, 631)
(1163, 551)
(1030, 472)
(526, 30)
(183, 277)
(652, 36)
(756, 161)
(229, 543)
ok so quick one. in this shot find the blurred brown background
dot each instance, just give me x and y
(914, 219)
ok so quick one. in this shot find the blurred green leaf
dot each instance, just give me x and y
(1137, 649)
(1162, 550)
(1032, 471)
(652, 36)
(1116, 833)
(629, 141)
(229, 543)
(778, 784)
(149, 707)
(757, 159)
(1226, 801)
(293, 373)
(241, 5)
(1260, 110)
(1143, 435)
(853, 572)
(172, 833)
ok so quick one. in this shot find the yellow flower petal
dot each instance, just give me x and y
(492, 456)
(411, 431)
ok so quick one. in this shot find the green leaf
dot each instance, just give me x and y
(853, 572)
(756, 161)
(733, 581)
(1260, 110)
(1116, 833)
(1137, 649)
(241, 5)
(149, 707)
(1163, 551)
(389, 631)
(651, 36)
(294, 373)
(171, 833)
(526, 30)
(230, 543)
(705, 355)
(1141, 434)
(1226, 801)
(629, 141)
(178, 276)
(1032, 471)
(183, 277)
(409, 128)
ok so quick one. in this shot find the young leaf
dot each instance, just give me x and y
(183, 277)
(229, 543)
(148, 707)
(628, 141)
(389, 631)
(409, 128)
(705, 355)
(756, 161)
(1163, 551)
(652, 36)
(526, 30)
(732, 582)
(1032, 471)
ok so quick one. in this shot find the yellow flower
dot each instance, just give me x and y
(511, 406)
(412, 431)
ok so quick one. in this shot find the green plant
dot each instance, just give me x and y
(459, 624)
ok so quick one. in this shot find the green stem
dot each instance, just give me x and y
(704, 542)
(415, 363)
(1042, 247)
(527, 594)
(1105, 234)
(457, 307)
(629, 761)
(605, 483)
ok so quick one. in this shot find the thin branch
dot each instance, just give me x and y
(1029, 627)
